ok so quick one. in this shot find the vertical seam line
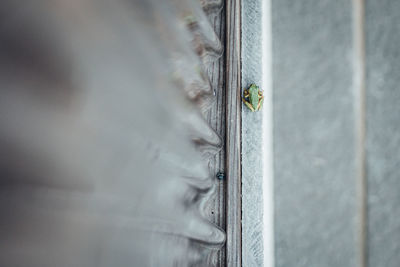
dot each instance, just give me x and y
(360, 117)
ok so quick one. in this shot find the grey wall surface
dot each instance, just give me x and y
(383, 131)
(314, 142)
(252, 161)
(329, 58)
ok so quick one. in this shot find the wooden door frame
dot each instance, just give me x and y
(233, 133)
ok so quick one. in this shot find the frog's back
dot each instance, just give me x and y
(253, 91)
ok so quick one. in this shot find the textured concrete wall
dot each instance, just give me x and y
(252, 155)
(314, 142)
(383, 131)
(327, 145)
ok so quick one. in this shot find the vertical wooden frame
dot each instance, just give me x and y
(233, 132)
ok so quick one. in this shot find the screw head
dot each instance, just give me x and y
(220, 176)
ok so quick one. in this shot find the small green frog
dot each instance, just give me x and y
(253, 98)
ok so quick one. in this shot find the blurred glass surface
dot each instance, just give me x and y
(103, 144)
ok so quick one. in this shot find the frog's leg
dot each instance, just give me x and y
(260, 103)
(248, 105)
(246, 93)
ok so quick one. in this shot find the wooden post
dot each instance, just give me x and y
(233, 129)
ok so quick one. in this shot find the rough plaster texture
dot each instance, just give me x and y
(383, 131)
(315, 134)
(314, 141)
(252, 167)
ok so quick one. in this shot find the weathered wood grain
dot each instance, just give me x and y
(233, 126)
(225, 117)
(215, 208)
